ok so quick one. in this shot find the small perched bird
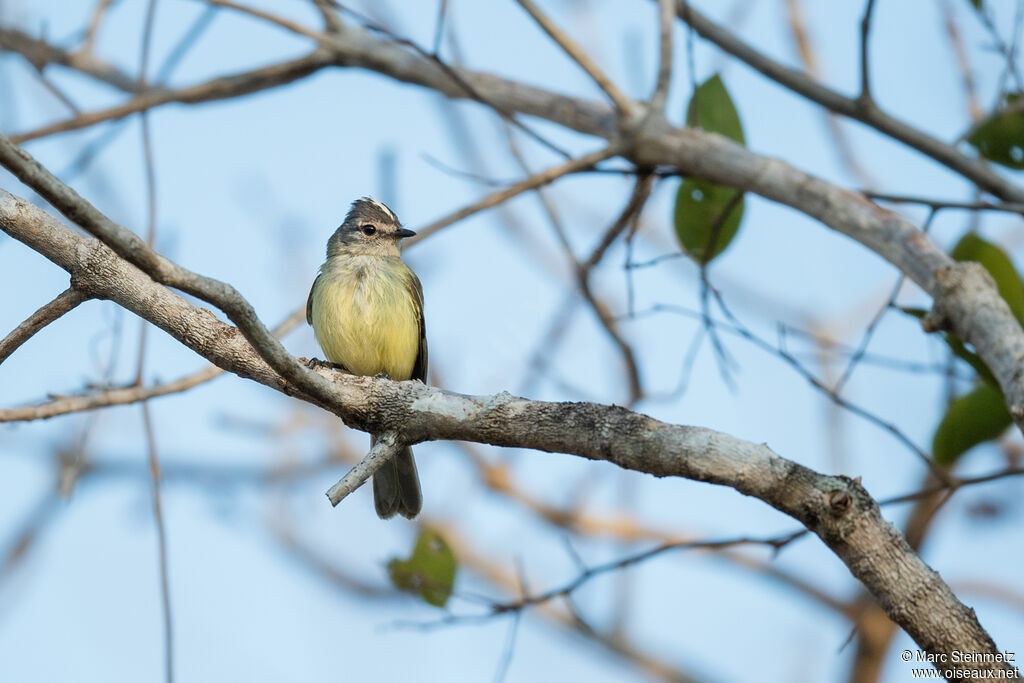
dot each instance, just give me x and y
(366, 309)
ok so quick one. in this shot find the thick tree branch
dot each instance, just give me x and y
(964, 293)
(133, 249)
(975, 311)
(837, 509)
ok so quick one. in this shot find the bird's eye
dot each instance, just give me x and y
(368, 230)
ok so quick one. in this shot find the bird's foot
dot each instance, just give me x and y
(317, 364)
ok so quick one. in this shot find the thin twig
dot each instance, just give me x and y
(57, 92)
(147, 421)
(795, 363)
(383, 450)
(935, 204)
(94, 26)
(776, 542)
(627, 218)
(39, 54)
(724, 360)
(442, 12)
(956, 43)
(188, 39)
(65, 301)
(332, 42)
(666, 17)
(888, 362)
(890, 303)
(161, 533)
(865, 72)
(974, 170)
(956, 485)
(224, 87)
(625, 106)
(840, 139)
(1006, 51)
(332, 22)
(457, 78)
(132, 393)
(583, 270)
(865, 339)
(510, 640)
(537, 180)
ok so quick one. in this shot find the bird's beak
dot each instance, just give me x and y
(403, 233)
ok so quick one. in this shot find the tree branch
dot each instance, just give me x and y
(130, 247)
(40, 54)
(386, 447)
(837, 509)
(974, 311)
(666, 18)
(625, 106)
(65, 301)
(975, 170)
(545, 177)
(134, 393)
(865, 60)
(224, 87)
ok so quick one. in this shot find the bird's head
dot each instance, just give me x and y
(370, 228)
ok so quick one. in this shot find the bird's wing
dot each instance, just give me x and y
(419, 369)
(309, 301)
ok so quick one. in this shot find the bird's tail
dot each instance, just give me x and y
(396, 486)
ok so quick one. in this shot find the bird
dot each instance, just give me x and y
(366, 310)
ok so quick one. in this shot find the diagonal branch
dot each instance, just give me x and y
(384, 449)
(966, 297)
(625, 106)
(666, 18)
(865, 61)
(589, 573)
(837, 509)
(133, 249)
(630, 213)
(545, 177)
(975, 170)
(65, 301)
(120, 396)
(220, 88)
(40, 54)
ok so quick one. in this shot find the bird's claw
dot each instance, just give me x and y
(317, 364)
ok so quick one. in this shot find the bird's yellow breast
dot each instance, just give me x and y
(365, 316)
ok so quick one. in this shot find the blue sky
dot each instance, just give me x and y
(248, 192)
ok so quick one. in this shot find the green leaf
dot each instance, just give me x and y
(998, 264)
(429, 571)
(707, 217)
(961, 351)
(978, 5)
(976, 417)
(1001, 137)
(711, 109)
